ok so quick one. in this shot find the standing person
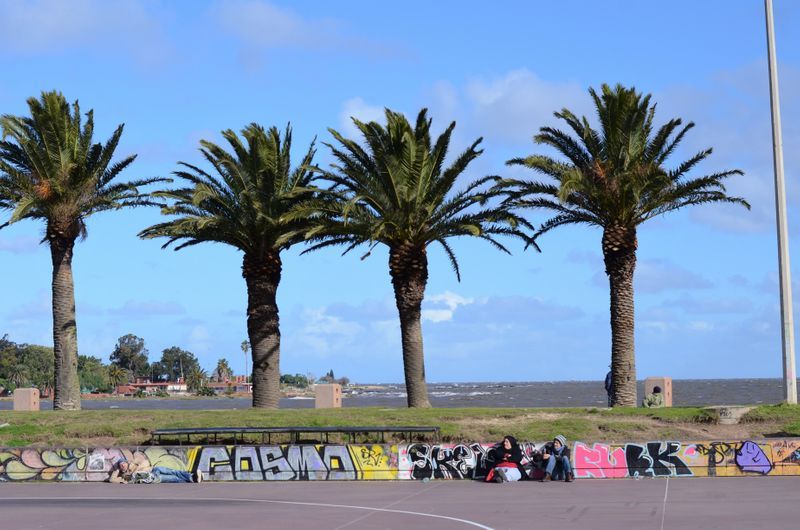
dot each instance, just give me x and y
(556, 460)
(507, 462)
(654, 400)
(608, 385)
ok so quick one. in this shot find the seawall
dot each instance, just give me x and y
(406, 461)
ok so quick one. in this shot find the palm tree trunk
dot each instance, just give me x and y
(262, 273)
(619, 253)
(66, 390)
(408, 266)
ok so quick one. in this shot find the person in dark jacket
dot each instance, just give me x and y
(555, 458)
(507, 466)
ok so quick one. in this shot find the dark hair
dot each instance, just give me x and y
(656, 390)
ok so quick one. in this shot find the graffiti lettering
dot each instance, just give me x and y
(599, 461)
(659, 459)
(416, 461)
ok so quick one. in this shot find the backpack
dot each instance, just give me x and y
(143, 477)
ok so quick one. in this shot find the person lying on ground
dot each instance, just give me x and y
(555, 458)
(124, 472)
(507, 466)
(654, 400)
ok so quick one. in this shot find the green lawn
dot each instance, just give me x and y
(118, 427)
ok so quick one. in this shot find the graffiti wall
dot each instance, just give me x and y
(83, 464)
(416, 461)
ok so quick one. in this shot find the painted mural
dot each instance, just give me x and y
(415, 461)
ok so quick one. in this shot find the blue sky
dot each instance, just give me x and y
(177, 72)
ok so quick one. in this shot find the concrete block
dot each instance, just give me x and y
(730, 414)
(666, 388)
(328, 396)
(26, 399)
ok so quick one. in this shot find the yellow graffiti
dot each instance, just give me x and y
(373, 462)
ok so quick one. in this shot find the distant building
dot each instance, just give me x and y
(238, 384)
(149, 387)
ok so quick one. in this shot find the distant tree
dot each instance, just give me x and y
(246, 350)
(8, 357)
(329, 378)
(117, 375)
(92, 373)
(196, 379)
(175, 362)
(18, 375)
(40, 364)
(296, 380)
(52, 171)
(223, 371)
(26, 365)
(130, 354)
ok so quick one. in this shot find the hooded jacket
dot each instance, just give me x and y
(510, 456)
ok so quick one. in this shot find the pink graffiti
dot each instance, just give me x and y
(599, 461)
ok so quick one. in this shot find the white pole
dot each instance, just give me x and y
(784, 269)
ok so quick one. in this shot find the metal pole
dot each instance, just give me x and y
(784, 269)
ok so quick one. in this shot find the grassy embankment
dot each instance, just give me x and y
(120, 427)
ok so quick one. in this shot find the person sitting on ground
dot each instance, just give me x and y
(555, 458)
(654, 400)
(507, 462)
(124, 472)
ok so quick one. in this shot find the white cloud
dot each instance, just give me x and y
(43, 26)
(711, 305)
(450, 300)
(513, 107)
(656, 275)
(733, 117)
(318, 322)
(266, 25)
(361, 110)
(700, 325)
(262, 26)
(199, 339)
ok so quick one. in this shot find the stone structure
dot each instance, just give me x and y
(328, 396)
(26, 399)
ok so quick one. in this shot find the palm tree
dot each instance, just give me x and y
(245, 351)
(196, 379)
(244, 206)
(19, 375)
(615, 178)
(223, 370)
(117, 375)
(397, 191)
(51, 171)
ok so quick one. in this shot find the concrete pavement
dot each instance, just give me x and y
(657, 504)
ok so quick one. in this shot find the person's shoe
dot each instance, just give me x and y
(501, 473)
(570, 477)
(198, 476)
(547, 477)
